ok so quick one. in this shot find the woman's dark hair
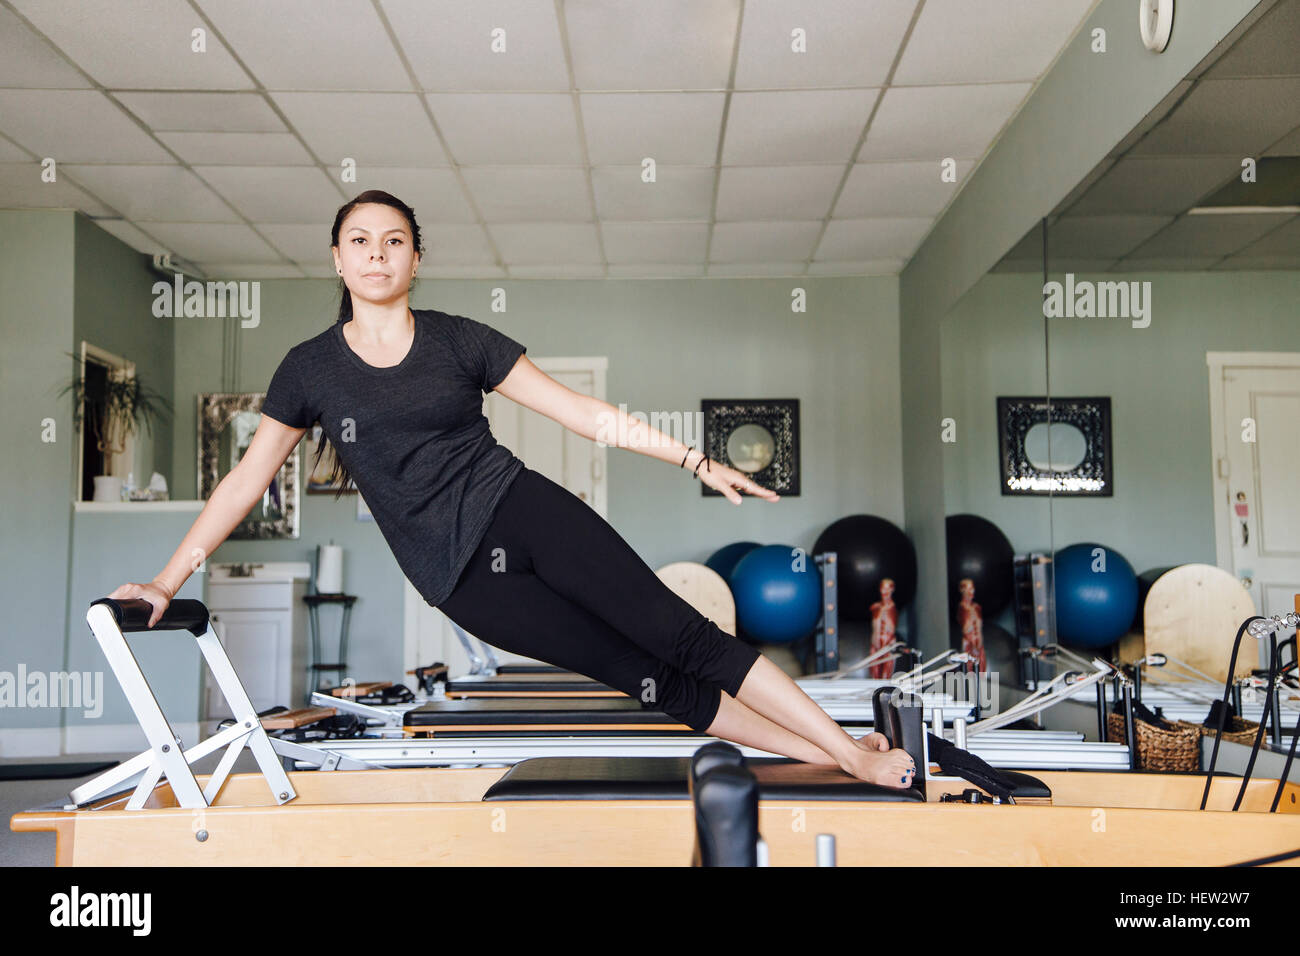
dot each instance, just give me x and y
(339, 473)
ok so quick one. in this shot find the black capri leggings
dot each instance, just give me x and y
(553, 581)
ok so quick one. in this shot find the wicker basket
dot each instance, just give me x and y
(1160, 750)
(1238, 731)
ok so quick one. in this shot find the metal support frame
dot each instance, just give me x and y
(109, 620)
(482, 662)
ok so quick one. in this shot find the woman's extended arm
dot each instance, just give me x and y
(228, 505)
(601, 422)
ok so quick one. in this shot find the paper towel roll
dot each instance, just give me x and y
(329, 569)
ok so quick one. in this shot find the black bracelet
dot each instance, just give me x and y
(696, 472)
(685, 456)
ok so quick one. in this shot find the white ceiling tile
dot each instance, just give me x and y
(158, 193)
(1243, 116)
(1288, 145)
(301, 242)
(936, 122)
(759, 241)
(484, 129)
(274, 193)
(374, 129)
(132, 236)
(850, 239)
(245, 149)
(776, 192)
(11, 153)
(451, 244)
(625, 128)
(1193, 264)
(311, 44)
(548, 243)
(679, 192)
(459, 54)
(656, 270)
(1077, 265)
(1213, 235)
(21, 187)
(204, 112)
(523, 194)
(988, 41)
(655, 242)
(75, 126)
(898, 189)
(212, 241)
(849, 42)
(136, 43)
(665, 45)
(1285, 240)
(434, 194)
(1258, 263)
(250, 270)
(865, 267)
(558, 271)
(747, 269)
(26, 60)
(1099, 237)
(795, 126)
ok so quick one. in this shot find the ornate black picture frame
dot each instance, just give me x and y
(1091, 477)
(734, 435)
(226, 423)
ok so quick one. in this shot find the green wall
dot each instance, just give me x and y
(1162, 512)
(36, 321)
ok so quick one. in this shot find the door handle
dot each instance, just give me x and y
(1245, 534)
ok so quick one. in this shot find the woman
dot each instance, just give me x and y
(507, 554)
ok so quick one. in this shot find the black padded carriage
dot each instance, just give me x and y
(665, 778)
(525, 713)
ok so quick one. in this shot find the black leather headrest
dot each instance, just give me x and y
(726, 817)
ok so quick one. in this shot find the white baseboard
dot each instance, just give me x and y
(30, 741)
(85, 738)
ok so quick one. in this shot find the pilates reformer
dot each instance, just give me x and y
(460, 741)
(622, 811)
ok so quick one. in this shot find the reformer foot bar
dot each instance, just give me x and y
(110, 621)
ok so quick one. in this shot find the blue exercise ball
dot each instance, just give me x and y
(1096, 595)
(724, 560)
(778, 591)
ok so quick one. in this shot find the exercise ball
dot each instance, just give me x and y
(778, 594)
(725, 558)
(977, 549)
(1096, 595)
(869, 550)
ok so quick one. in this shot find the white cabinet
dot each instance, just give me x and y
(261, 621)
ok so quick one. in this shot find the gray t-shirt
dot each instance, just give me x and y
(413, 436)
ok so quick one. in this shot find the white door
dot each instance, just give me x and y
(1257, 479)
(546, 447)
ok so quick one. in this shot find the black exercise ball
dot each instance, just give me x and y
(869, 550)
(977, 549)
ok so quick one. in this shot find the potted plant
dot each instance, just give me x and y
(116, 405)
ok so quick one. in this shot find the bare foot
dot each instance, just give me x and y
(873, 742)
(891, 768)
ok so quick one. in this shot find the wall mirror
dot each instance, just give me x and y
(227, 422)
